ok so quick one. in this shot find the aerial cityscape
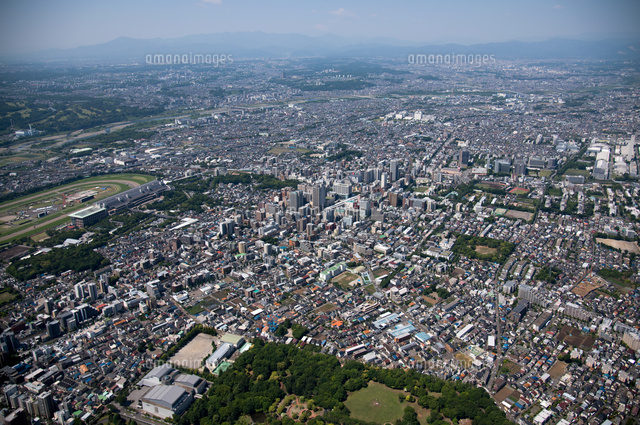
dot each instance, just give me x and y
(323, 228)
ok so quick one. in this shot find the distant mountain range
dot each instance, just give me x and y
(241, 45)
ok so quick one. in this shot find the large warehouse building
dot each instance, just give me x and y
(170, 392)
(165, 401)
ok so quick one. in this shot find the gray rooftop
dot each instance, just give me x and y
(165, 395)
(159, 371)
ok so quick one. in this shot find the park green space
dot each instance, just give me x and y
(379, 404)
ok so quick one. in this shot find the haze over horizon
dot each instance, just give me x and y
(34, 25)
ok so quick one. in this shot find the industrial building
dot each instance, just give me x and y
(155, 375)
(235, 340)
(164, 401)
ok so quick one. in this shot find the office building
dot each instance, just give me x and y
(463, 158)
(46, 406)
(319, 196)
(296, 200)
(78, 290)
(53, 329)
(226, 228)
(394, 170)
(384, 180)
(501, 166)
(93, 291)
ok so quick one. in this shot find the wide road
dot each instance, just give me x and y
(138, 417)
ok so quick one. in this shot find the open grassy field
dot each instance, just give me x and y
(192, 354)
(490, 185)
(345, 279)
(279, 150)
(576, 172)
(622, 245)
(557, 370)
(378, 403)
(519, 215)
(519, 191)
(485, 250)
(509, 367)
(6, 297)
(325, 308)
(380, 273)
(21, 158)
(464, 359)
(195, 309)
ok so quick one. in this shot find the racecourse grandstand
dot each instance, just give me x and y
(132, 197)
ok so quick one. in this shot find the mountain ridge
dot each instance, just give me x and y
(256, 44)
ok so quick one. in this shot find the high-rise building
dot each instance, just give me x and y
(368, 176)
(78, 289)
(45, 404)
(93, 291)
(17, 417)
(296, 199)
(319, 196)
(8, 342)
(103, 283)
(153, 289)
(576, 311)
(301, 225)
(48, 306)
(365, 209)
(53, 329)
(328, 215)
(501, 166)
(394, 169)
(384, 180)
(463, 158)
(226, 227)
(395, 199)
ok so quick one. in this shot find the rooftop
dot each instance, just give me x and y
(164, 395)
(84, 213)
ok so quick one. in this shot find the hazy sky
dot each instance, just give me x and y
(32, 25)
